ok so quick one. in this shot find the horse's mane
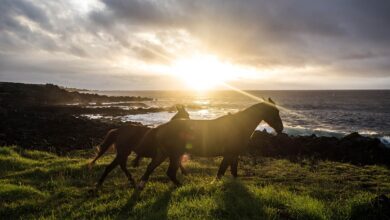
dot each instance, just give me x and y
(239, 113)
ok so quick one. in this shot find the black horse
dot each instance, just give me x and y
(226, 136)
(125, 139)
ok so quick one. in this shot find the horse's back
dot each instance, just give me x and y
(147, 144)
(130, 135)
(199, 137)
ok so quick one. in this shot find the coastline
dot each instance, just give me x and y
(62, 128)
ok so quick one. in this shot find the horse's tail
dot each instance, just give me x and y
(105, 145)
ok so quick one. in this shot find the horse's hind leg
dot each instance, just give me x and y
(174, 163)
(156, 161)
(183, 170)
(123, 165)
(234, 167)
(224, 165)
(108, 169)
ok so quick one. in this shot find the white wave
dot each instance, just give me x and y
(151, 119)
(157, 118)
(368, 133)
(385, 140)
(302, 131)
(92, 116)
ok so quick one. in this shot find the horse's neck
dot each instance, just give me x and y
(248, 120)
(175, 117)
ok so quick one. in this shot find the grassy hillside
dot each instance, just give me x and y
(35, 184)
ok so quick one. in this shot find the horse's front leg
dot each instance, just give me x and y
(234, 167)
(174, 163)
(135, 162)
(156, 161)
(227, 160)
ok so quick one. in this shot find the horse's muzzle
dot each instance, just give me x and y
(279, 130)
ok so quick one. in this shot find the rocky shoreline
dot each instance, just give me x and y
(55, 132)
(353, 148)
(61, 132)
(47, 117)
(61, 128)
(20, 94)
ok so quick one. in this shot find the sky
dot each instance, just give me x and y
(202, 44)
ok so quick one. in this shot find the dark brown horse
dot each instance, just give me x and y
(125, 139)
(226, 136)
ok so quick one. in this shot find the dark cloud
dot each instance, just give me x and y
(11, 8)
(151, 13)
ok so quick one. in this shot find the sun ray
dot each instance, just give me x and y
(289, 111)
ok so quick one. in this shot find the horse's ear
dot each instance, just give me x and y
(271, 101)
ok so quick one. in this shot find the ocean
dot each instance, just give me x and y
(323, 113)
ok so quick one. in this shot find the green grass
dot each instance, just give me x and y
(35, 184)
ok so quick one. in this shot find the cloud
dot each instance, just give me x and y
(293, 33)
(347, 39)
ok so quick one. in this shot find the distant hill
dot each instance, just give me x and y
(49, 94)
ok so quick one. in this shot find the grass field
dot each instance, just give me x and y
(35, 184)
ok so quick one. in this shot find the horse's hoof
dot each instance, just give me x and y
(217, 179)
(90, 165)
(93, 192)
(141, 185)
(133, 184)
(135, 164)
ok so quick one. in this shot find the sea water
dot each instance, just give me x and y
(320, 112)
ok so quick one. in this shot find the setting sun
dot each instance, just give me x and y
(203, 72)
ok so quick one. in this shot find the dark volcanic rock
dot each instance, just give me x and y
(352, 148)
(80, 110)
(56, 132)
(20, 94)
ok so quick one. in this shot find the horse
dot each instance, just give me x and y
(125, 139)
(226, 136)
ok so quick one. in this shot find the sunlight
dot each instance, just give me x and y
(281, 108)
(203, 72)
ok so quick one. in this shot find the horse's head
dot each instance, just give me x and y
(181, 113)
(272, 116)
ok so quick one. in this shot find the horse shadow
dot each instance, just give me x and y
(128, 207)
(237, 202)
(157, 210)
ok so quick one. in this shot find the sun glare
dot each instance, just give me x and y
(203, 72)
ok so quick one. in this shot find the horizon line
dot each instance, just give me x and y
(198, 91)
